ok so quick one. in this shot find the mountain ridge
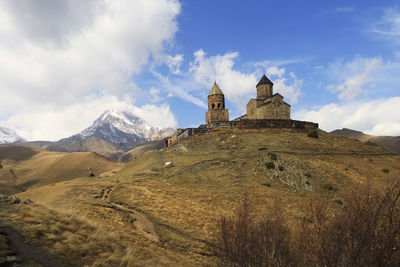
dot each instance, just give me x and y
(389, 142)
(112, 134)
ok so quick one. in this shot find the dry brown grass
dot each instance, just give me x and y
(210, 177)
(26, 168)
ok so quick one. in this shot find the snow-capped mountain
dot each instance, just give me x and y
(119, 127)
(8, 136)
(122, 129)
(112, 133)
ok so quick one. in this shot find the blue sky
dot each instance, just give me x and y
(336, 62)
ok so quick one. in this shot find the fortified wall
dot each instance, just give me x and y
(268, 110)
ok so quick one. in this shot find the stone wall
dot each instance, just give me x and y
(217, 115)
(260, 124)
(241, 124)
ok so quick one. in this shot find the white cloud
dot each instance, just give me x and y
(174, 63)
(239, 86)
(234, 84)
(155, 95)
(159, 115)
(356, 74)
(274, 70)
(376, 117)
(288, 86)
(57, 54)
(387, 26)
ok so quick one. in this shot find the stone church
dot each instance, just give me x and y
(268, 110)
(267, 105)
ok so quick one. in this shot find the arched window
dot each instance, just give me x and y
(219, 105)
(213, 106)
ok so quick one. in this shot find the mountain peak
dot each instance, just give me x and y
(123, 128)
(8, 136)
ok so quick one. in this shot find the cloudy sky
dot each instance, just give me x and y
(62, 63)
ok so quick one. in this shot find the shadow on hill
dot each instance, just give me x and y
(17, 153)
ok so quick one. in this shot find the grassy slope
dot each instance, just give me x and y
(25, 167)
(211, 174)
(140, 150)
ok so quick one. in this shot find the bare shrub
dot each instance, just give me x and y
(365, 231)
(242, 240)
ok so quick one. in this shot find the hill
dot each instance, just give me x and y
(90, 144)
(149, 214)
(140, 150)
(26, 167)
(390, 142)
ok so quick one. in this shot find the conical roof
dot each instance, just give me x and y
(215, 90)
(264, 80)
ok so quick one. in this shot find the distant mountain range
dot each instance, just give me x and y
(111, 135)
(8, 136)
(389, 142)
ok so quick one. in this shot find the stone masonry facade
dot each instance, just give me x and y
(267, 105)
(216, 106)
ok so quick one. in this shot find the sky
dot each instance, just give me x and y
(63, 63)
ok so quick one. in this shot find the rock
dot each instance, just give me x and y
(168, 164)
(183, 148)
(3, 197)
(27, 201)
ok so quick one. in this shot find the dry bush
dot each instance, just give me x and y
(242, 240)
(365, 231)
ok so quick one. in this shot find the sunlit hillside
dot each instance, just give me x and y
(149, 214)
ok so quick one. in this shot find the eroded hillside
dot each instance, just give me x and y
(149, 214)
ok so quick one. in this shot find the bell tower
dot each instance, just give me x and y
(216, 106)
(264, 88)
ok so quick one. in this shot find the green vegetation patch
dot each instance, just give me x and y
(270, 165)
(313, 134)
(339, 202)
(273, 156)
(386, 170)
(329, 187)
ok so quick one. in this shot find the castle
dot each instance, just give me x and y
(268, 110)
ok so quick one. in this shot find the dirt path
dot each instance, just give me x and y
(14, 251)
(140, 221)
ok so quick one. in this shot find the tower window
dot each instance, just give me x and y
(213, 106)
(219, 105)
